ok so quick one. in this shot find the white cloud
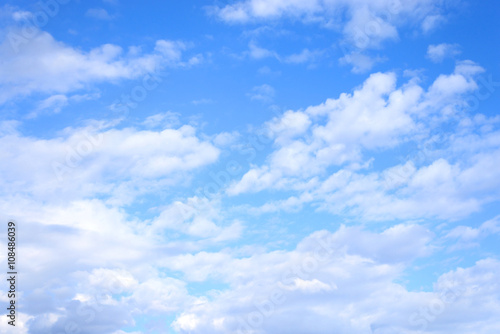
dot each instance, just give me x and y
(337, 287)
(346, 133)
(437, 53)
(366, 29)
(244, 11)
(447, 90)
(374, 116)
(44, 65)
(198, 218)
(162, 120)
(99, 160)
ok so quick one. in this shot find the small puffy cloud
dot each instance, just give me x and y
(468, 237)
(437, 53)
(366, 29)
(198, 218)
(52, 104)
(323, 274)
(159, 295)
(447, 89)
(186, 323)
(289, 125)
(432, 22)
(333, 133)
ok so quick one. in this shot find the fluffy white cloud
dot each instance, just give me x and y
(360, 62)
(440, 189)
(348, 133)
(100, 159)
(374, 116)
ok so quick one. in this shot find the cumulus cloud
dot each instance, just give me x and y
(360, 62)
(197, 217)
(469, 237)
(344, 133)
(374, 116)
(100, 159)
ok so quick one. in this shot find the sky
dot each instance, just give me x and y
(251, 166)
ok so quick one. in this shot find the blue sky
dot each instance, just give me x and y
(251, 166)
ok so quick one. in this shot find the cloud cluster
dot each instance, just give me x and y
(363, 24)
(338, 283)
(342, 280)
(437, 53)
(327, 152)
